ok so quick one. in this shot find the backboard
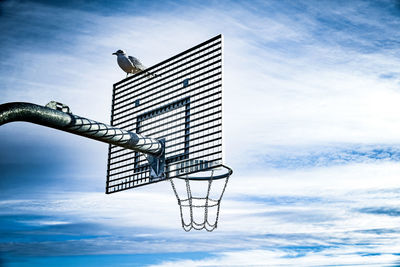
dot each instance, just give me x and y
(178, 100)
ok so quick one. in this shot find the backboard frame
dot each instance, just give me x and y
(190, 88)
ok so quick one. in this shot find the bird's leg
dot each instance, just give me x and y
(151, 74)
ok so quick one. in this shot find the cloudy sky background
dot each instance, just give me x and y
(311, 125)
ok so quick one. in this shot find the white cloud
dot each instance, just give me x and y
(284, 88)
(326, 93)
(283, 216)
(271, 258)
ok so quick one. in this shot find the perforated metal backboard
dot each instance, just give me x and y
(179, 100)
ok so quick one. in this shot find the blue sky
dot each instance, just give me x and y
(311, 130)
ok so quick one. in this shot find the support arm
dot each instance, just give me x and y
(20, 111)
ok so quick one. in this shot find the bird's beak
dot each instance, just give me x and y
(114, 53)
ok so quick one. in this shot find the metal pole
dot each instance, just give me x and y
(20, 111)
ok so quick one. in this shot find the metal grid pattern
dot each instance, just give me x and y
(180, 101)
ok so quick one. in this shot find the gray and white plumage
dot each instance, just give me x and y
(128, 64)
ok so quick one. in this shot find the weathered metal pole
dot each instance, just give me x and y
(65, 121)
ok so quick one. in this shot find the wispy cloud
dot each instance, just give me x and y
(321, 156)
(311, 104)
(285, 223)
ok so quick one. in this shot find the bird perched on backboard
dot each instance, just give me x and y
(129, 64)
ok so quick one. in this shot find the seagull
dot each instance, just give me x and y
(129, 64)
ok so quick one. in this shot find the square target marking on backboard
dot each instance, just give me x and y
(179, 100)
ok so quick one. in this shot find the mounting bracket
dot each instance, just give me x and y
(157, 163)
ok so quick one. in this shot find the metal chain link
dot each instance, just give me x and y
(181, 202)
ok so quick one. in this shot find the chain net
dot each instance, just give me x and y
(197, 212)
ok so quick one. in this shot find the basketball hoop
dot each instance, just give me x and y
(162, 127)
(191, 204)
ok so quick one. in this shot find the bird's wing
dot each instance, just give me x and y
(136, 63)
